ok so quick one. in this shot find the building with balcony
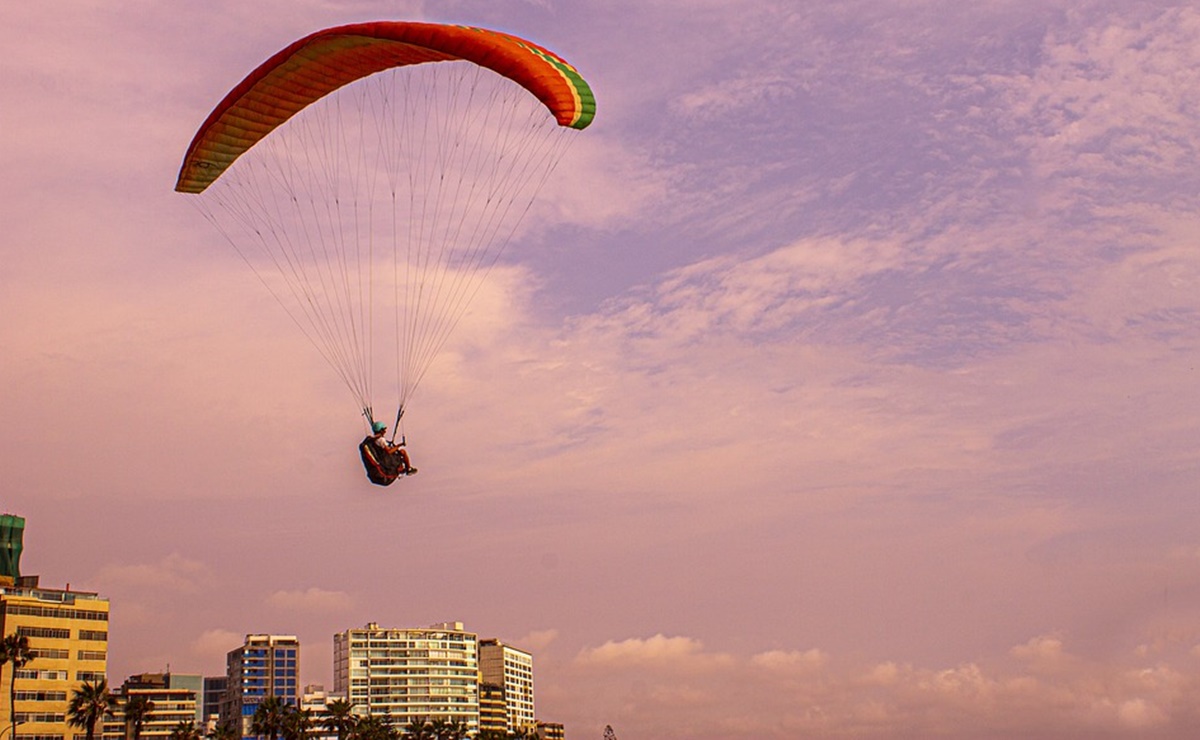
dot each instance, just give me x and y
(265, 665)
(409, 674)
(214, 693)
(551, 731)
(172, 700)
(493, 714)
(512, 669)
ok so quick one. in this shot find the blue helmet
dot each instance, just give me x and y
(378, 427)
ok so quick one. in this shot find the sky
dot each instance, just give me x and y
(844, 384)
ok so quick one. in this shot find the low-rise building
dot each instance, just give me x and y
(171, 702)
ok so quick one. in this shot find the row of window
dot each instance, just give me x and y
(262, 653)
(41, 737)
(58, 654)
(51, 675)
(51, 653)
(263, 682)
(53, 633)
(43, 675)
(23, 717)
(40, 695)
(59, 633)
(57, 612)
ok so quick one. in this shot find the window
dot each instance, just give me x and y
(53, 633)
(49, 654)
(42, 675)
(40, 696)
(23, 717)
(56, 612)
(93, 635)
(93, 655)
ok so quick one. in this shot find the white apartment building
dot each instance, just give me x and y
(512, 669)
(409, 674)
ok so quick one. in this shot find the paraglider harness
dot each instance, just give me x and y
(382, 469)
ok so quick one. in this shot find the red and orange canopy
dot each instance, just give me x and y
(324, 61)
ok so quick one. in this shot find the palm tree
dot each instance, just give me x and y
(14, 649)
(186, 730)
(89, 704)
(446, 729)
(137, 709)
(224, 731)
(374, 727)
(419, 728)
(339, 718)
(298, 724)
(491, 735)
(268, 717)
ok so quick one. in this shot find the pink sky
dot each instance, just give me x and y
(844, 385)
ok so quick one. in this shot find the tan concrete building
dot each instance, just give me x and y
(512, 669)
(68, 633)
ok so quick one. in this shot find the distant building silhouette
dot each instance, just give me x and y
(214, 692)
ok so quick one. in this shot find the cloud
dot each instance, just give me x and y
(639, 682)
(311, 600)
(213, 645)
(658, 650)
(1040, 650)
(789, 661)
(174, 574)
(538, 640)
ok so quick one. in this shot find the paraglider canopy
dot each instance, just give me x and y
(320, 63)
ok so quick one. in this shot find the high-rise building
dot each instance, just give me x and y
(214, 693)
(68, 635)
(512, 669)
(410, 674)
(493, 714)
(172, 700)
(265, 665)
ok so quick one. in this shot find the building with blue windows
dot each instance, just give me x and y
(266, 665)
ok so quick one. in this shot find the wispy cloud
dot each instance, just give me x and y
(214, 644)
(312, 600)
(173, 574)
